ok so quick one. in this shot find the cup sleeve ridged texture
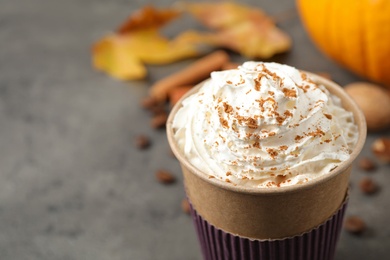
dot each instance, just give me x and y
(317, 244)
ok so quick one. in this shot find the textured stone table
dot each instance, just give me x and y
(72, 184)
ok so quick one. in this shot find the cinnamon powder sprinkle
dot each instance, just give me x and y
(283, 147)
(280, 119)
(227, 108)
(229, 82)
(267, 71)
(251, 123)
(270, 184)
(306, 78)
(328, 116)
(228, 173)
(318, 132)
(257, 145)
(304, 88)
(257, 84)
(288, 113)
(298, 138)
(242, 81)
(224, 122)
(291, 93)
(272, 153)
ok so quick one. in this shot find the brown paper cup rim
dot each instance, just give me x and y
(347, 102)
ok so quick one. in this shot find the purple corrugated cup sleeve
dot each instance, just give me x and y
(317, 244)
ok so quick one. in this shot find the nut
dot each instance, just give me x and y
(381, 149)
(165, 177)
(374, 101)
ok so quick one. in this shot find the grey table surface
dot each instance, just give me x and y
(72, 183)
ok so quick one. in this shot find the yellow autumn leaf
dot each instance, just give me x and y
(137, 42)
(123, 56)
(155, 49)
(112, 55)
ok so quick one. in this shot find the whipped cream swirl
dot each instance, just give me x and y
(264, 125)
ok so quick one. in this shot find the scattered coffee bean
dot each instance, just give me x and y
(165, 177)
(149, 102)
(159, 120)
(142, 142)
(156, 110)
(185, 206)
(153, 105)
(368, 186)
(354, 224)
(367, 164)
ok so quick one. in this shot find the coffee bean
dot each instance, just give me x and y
(149, 102)
(159, 120)
(367, 164)
(156, 110)
(142, 142)
(165, 177)
(354, 224)
(368, 186)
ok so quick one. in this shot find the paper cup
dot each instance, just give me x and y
(297, 218)
(318, 243)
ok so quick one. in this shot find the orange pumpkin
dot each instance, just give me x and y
(355, 33)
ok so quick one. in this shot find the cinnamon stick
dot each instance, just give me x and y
(190, 75)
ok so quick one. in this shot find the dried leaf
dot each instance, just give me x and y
(246, 30)
(138, 42)
(220, 15)
(113, 55)
(159, 50)
(147, 18)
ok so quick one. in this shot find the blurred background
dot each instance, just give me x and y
(74, 184)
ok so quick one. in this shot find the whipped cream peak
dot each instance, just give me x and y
(264, 125)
